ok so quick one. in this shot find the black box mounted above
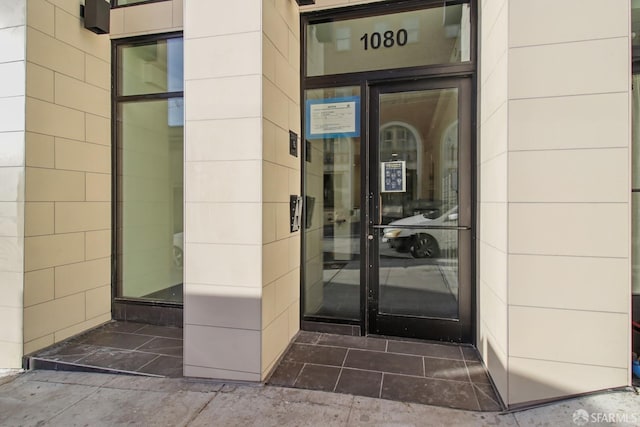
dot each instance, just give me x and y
(305, 2)
(96, 15)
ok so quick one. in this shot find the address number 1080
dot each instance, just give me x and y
(387, 39)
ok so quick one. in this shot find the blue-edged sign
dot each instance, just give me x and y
(394, 177)
(332, 117)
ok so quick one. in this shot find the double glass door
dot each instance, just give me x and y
(388, 233)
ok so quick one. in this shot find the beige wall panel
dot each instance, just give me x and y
(43, 319)
(39, 343)
(223, 306)
(207, 18)
(40, 82)
(49, 251)
(269, 303)
(41, 16)
(283, 220)
(50, 119)
(494, 37)
(40, 150)
(39, 286)
(227, 223)
(12, 148)
(220, 139)
(12, 82)
(98, 302)
(236, 97)
(571, 20)
(273, 182)
(275, 28)
(98, 187)
(54, 54)
(11, 219)
(281, 143)
(327, 4)
(11, 355)
(13, 115)
(82, 156)
(495, 359)
(275, 104)
(116, 23)
(148, 17)
(11, 254)
(236, 49)
(12, 290)
(495, 134)
(294, 319)
(71, 331)
(493, 270)
(269, 222)
(38, 218)
(83, 216)
(494, 90)
(294, 50)
(81, 96)
(70, 29)
(543, 124)
(531, 380)
(569, 282)
(580, 337)
(98, 72)
(294, 253)
(588, 67)
(600, 175)
(275, 338)
(494, 315)
(12, 184)
(275, 261)
(70, 6)
(202, 372)
(493, 183)
(98, 129)
(225, 265)
(269, 55)
(11, 321)
(569, 229)
(178, 11)
(12, 41)
(287, 291)
(208, 181)
(224, 349)
(493, 225)
(97, 244)
(74, 278)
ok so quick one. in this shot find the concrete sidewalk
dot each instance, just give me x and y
(54, 398)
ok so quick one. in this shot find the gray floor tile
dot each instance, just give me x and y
(446, 369)
(317, 377)
(425, 349)
(384, 362)
(161, 345)
(359, 383)
(353, 342)
(317, 354)
(430, 391)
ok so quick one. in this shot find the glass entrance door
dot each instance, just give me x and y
(419, 228)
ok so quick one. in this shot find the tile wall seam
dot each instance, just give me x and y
(222, 369)
(493, 113)
(568, 42)
(507, 225)
(568, 95)
(526, 150)
(494, 291)
(490, 331)
(568, 363)
(229, 76)
(495, 67)
(56, 39)
(569, 309)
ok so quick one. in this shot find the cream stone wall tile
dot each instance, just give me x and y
(287, 291)
(224, 265)
(572, 336)
(40, 150)
(283, 220)
(236, 97)
(275, 183)
(116, 23)
(495, 40)
(275, 338)
(600, 175)
(44, 319)
(600, 20)
(201, 372)
(269, 304)
(270, 141)
(496, 361)
(39, 286)
(51, 119)
(275, 260)
(226, 139)
(178, 18)
(82, 156)
(81, 96)
(569, 229)
(11, 184)
(209, 181)
(275, 104)
(569, 282)
(588, 67)
(98, 302)
(494, 134)
(71, 331)
(12, 146)
(288, 10)
(13, 14)
(532, 380)
(48, 251)
(241, 53)
(493, 224)
(98, 72)
(493, 270)
(12, 289)
(13, 77)
(269, 222)
(39, 218)
(287, 78)
(148, 17)
(12, 42)
(70, 29)
(11, 219)
(222, 349)
(41, 16)
(70, 6)
(11, 321)
(294, 319)
(269, 58)
(82, 216)
(495, 89)
(98, 187)
(11, 254)
(98, 129)
(12, 119)
(223, 306)
(596, 121)
(54, 54)
(39, 343)
(39, 82)
(207, 18)
(495, 318)
(228, 223)
(294, 115)
(294, 253)
(73, 278)
(11, 355)
(97, 244)
(294, 50)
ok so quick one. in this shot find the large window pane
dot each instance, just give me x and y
(150, 199)
(440, 35)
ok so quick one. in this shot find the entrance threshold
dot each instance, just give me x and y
(118, 347)
(409, 371)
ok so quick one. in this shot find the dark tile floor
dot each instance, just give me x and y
(124, 347)
(408, 371)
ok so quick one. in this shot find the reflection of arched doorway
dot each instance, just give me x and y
(401, 141)
(449, 164)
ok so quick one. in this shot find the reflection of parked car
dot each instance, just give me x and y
(423, 243)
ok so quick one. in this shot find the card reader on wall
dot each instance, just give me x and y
(295, 205)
